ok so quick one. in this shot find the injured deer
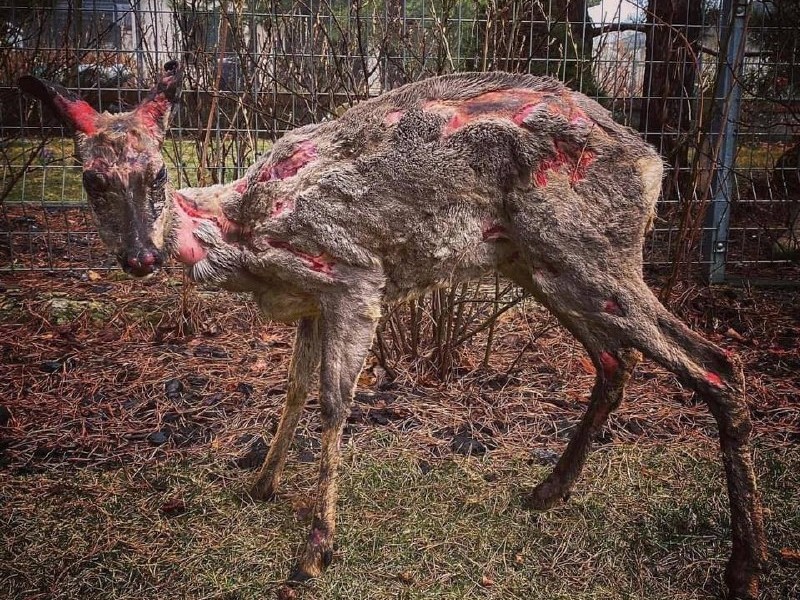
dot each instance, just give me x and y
(428, 185)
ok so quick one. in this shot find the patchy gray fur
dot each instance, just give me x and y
(435, 183)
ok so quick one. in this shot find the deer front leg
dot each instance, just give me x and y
(347, 328)
(305, 359)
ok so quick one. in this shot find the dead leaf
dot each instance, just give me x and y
(173, 506)
(406, 577)
(734, 335)
(259, 366)
(587, 365)
(303, 507)
(790, 555)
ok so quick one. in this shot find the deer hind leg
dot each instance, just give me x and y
(305, 359)
(719, 380)
(613, 308)
(613, 368)
(347, 328)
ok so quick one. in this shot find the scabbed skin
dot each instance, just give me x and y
(424, 184)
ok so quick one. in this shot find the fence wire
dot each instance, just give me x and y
(256, 68)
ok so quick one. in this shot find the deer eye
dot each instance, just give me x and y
(94, 181)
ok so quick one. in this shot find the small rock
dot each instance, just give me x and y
(210, 352)
(173, 387)
(50, 366)
(305, 456)
(197, 381)
(244, 388)
(379, 417)
(545, 457)
(158, 437)
(254, 457)
(464, 444)
(424, 467)
(5, 416)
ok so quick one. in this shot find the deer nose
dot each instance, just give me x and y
(142, 263)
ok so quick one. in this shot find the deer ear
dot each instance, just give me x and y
(156, 108)
(68, 107)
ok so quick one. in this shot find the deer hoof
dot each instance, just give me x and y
(263, 493)
(298, 576)
(543, 497)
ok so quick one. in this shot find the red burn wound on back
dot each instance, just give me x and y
(714, 379)
(504, 104)
(281, 206)
(393, 117)
(81, 114)
(612, 308)
(304, 153)
(609, 363)
(320, 263)
(240, 185)
(567, 160)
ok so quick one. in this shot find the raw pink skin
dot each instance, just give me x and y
(321, 263)
(504, 104)
(610, 364)
(150, 113)
(714, 379)
(518, 105)
(612, 308)
(240, 185)
(514, 104)
(188, 216)
(281, 206)
(564, 162)
(82, 115)
(493, 231)
(393, 117)
(304, 153)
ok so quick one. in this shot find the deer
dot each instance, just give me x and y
(430, 184)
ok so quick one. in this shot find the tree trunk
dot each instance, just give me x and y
(552, 38)
(673, 35)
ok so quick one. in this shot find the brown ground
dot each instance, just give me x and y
(94, 369)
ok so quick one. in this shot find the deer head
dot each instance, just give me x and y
(124, 175)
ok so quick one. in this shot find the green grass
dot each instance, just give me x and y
(57, 177)
(55, 174)
(645, 522)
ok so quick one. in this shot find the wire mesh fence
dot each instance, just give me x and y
(256, 68)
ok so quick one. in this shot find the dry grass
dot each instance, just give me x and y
(124, 465)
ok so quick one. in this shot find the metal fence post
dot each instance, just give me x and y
(724, 132)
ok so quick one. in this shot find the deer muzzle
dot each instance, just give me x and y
(141, 261)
